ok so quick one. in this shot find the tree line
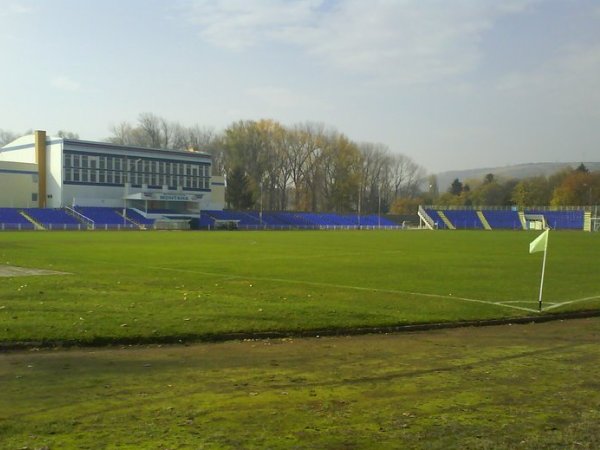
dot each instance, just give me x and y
(312, 167)
(303, 167)
(567, 187)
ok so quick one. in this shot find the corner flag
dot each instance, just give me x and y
(540, 244)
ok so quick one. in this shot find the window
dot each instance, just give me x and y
(76, 174)
(84, 161)
(68, 161)
(68, 174)
(34, 197)
(76, 161)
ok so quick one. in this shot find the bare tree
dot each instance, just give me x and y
(375, 158)
(67, 134)
(6, 137)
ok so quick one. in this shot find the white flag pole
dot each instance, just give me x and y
(543, 270)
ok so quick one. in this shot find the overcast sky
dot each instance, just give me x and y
(453, 84)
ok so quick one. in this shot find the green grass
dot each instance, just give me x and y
(523, 386)
(154, 285)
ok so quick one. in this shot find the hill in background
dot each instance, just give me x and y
(518, 171)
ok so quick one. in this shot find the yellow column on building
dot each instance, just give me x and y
(40, 159)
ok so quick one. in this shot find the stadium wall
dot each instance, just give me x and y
(18, 185)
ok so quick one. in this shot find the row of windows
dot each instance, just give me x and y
(119, 178)
(111, 170)
(135, 165)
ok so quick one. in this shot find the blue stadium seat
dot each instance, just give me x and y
(11, 219)
(53, 218)
(503, 219)
(464, 219)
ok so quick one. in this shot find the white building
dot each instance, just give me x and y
(51, 172)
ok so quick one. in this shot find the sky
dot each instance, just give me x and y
(453, 84)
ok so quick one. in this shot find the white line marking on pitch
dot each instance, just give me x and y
(578, 300)
(343, 286)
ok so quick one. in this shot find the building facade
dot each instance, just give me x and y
(71, 172)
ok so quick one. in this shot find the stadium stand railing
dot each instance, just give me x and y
(438, 223)
(54, 219)
(138, 218)
(105, 218)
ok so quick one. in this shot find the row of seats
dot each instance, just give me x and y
(286, 219)
(49, 218)
(562, 220)
(504, 219)
(12, 219)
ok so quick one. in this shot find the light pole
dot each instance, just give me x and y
(358, 209)
(261, 204)
(125, 190)
(379, 207)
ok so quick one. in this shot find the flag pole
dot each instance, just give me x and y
(543, 270)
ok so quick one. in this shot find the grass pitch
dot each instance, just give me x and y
(167, 285)
(512, 387)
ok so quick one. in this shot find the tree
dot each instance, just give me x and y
(67, 134)
(6, 137)
(373, 179)
(577, 189)
(456, 187)
(492, 191)
(238, 194)
(534, 191)
(340, 169)
(302, 150)
(489, 178)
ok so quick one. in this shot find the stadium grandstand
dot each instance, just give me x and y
(511, 218)
(107, 218)
(59, 181)
(54, 183)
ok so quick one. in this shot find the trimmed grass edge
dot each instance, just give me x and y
(342, 331)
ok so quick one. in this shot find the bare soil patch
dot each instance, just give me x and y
(15, 271)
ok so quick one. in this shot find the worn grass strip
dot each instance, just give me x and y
(521, 386)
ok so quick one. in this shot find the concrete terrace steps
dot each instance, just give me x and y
(36, 224)
(484, 222)
(446, 221)
(587, 221)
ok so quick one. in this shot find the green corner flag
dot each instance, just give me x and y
(540, 244)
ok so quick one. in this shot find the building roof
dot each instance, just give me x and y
(28, 141)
